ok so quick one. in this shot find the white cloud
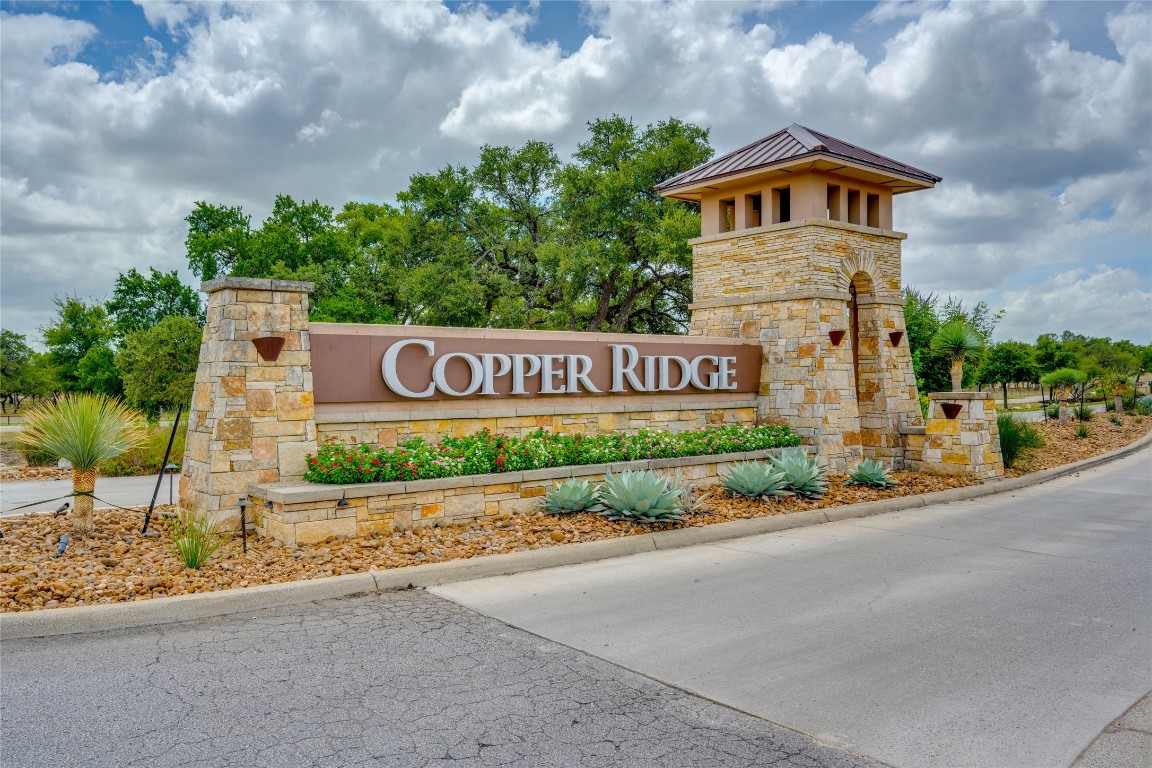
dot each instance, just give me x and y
(1107, 300)
(1044, 148)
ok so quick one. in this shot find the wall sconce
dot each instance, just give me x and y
(836, 337)
(342, 503)
(268, 347)
(895, 337)
(951, 410)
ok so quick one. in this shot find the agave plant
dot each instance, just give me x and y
(956, 339)
(84, 430)
(805, 476)
(643, 497)
(871, 473)
(572, 495)
(755, 479)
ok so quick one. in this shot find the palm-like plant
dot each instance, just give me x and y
(957, 339)
(1063, 380)
(84, 430)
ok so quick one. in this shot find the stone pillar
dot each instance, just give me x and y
(789, 285)
(252, 418)
(960, 438)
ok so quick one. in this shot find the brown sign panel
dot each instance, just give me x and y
(382, 363)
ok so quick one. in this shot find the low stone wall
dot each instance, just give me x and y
(388, 428)
(967, 443)
(307, 513)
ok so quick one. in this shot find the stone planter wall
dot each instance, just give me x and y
(966, 445)
(307, 513)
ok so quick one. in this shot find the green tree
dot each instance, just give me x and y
(139, 302)
(625, 264)
(79, 347)
(1052, 354)
(159, 364)
(921, 323)
(15, 355)
(219, 239)
(1007, 363)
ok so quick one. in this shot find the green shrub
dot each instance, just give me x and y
(1053, 411)
(1116, 420)
(871, 473)
(487, 452)
(805, 475)
(1082, 412)
(755, 479)
(642, 497)
(195, 539)
(1017, 438)
(147, 458)
(572, 495)
(1143, 406)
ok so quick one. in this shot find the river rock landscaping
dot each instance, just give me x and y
(116, 564)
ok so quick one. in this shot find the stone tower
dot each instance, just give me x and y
(797, 249)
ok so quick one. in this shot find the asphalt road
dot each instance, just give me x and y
(401, 680)
(1004, 631)
(122, 491)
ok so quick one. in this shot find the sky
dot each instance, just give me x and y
(115, 118)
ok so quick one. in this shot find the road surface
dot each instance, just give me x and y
(122, 491)
(1004, 631)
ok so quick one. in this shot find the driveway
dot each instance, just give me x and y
(122, 491)
(1004, 631)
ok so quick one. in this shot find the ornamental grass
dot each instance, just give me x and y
(486, 452)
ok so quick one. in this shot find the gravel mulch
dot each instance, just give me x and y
(116, 564)
(1061, 446)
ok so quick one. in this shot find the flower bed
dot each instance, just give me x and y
(486, 452)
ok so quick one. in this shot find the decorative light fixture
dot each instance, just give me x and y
(836, 337)
(342, 503)
(268, 347)
(895, 337)
(243, 504)
(951, 410)
(170, 468)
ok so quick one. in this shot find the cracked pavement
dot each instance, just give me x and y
(400, 679)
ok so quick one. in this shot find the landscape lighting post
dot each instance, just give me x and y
(170, 468)
(243, 504)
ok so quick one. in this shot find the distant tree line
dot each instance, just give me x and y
(519, 240)
(1110, 365)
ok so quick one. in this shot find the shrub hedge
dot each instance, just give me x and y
(487, 452)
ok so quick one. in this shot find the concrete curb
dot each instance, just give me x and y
(98, 618)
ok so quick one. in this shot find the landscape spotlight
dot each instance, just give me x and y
(61, 509)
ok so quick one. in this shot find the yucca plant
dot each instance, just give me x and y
(755, 479)
(957, 339)
(643, 496)
(1082, 430)
(805, 476)
(572, 495)
(195, 539)
(84, 430)
(871, 473)
(1063, 380)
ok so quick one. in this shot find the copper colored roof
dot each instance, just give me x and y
(792, 143)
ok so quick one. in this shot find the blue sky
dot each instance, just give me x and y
(117, 117)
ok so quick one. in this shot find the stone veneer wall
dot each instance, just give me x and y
(387, 428)
(251, 420)
(307, 513)
(788, 285)
(966, 445)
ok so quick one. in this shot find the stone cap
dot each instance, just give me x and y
(256, 284)
(961, 395)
